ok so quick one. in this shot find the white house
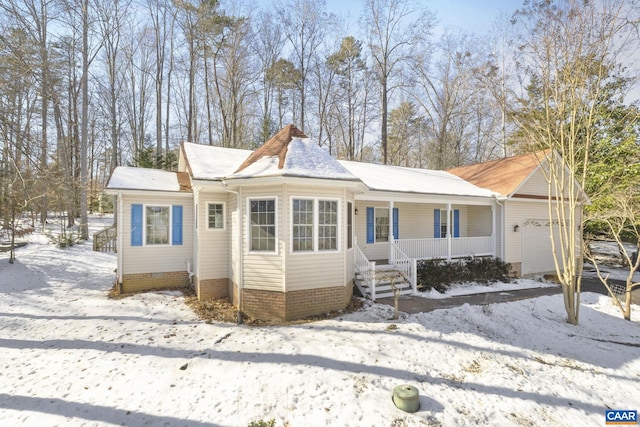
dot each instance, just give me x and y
(286, 230)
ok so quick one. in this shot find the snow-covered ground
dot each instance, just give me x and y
(70, 356)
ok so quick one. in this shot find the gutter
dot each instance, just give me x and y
(240, 251)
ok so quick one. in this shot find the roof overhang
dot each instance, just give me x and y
(387, 196)
(128, 192)
(355, 185)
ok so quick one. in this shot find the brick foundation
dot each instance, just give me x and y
(146, 281)
(271, 305)
(212, 288)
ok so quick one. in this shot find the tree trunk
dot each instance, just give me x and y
(84, 221)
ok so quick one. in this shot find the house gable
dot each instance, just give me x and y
(503, 176)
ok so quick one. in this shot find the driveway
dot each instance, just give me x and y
(411, 304)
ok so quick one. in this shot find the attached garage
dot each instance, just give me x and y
(537, 254)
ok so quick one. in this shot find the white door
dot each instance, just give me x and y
(537, 256)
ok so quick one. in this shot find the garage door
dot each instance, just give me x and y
(536, 246)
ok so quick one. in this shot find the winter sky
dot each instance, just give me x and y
(467, 15)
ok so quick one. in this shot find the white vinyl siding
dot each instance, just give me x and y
(214, 244)
(263, 270)
(156, 258)
(536, 185)
(476, 221)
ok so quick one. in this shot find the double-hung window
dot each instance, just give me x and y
(378, 224)
(215, 216)
(314, 225)
(327, 225)
(302, 233)
(262, 230)
(157, 225)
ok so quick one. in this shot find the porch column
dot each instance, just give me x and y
(449, 227)
(493, 229)
(391, 242)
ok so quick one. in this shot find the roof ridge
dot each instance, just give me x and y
(277, 145)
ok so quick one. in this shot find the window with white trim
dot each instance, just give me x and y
(215, 216)
(314, 225)
(327, 225)
(302, 225)
(262, 229)
(157, 225)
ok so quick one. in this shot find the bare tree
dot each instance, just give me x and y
(392, 39)
(568, 50)
(350, 104)
(304, 23)
(267, 44)
(34, 17)
(162, 19)
(112, 16)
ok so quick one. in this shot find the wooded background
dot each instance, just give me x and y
(87, 85)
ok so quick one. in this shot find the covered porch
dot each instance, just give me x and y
(400, 230)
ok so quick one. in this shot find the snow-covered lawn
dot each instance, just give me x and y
(70, 356)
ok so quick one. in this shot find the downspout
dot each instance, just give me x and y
(120, 248)
(240, 251)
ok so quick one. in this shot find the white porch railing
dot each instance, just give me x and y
(423, 248)
(366, 269)
(439, 248)
(405, 265)
(472, 246)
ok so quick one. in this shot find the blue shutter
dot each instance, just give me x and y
(395, 223)
(371, 231)
(456, 223)
(436, 223)
(136, 225)
(176, 222)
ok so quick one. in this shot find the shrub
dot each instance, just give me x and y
(262, 423)
(439, 274)
(487, 270)
(436, 274)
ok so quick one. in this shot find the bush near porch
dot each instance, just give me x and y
(440, 274)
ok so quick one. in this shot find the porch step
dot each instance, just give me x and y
(383, 284)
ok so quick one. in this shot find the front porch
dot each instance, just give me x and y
(400, 233)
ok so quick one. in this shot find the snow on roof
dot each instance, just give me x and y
(134, 178)
(410, 180)
(277, 145)
(211, 162)
(303, 158)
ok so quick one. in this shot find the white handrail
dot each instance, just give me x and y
(366, 268)
(405, 265)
